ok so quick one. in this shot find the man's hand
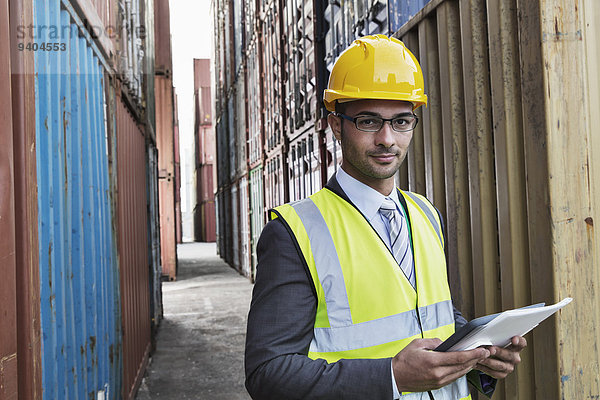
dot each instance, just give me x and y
(418, 369)
(502, 361)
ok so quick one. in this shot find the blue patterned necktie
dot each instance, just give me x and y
(399, 239)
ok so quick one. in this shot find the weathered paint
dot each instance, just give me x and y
(78, 269)
(26, 211)
(8, 260)
(166, 173)
(132, 234)
(257, 212)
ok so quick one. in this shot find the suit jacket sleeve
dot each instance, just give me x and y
(280, 329)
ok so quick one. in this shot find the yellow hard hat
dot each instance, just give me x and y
(376, 67)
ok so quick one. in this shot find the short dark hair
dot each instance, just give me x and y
(341, 107)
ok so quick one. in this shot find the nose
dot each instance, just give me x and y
(385, 136)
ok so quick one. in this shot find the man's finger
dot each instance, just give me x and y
(463, 357)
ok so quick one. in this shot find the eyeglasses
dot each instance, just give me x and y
(370, 123)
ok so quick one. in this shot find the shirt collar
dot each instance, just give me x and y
(365, 198)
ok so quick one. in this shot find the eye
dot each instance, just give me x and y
(401, 121)
(367, 121)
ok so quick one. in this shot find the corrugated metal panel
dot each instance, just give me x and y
(26, 210)
(276, 180)
(202, 87)
(304, 162)
(232, 148)
(80, 318)
(8, 248)
(257, 212)
(272, 77)
(162, 37)
(132, 205)
(299, 64)
(227, 213)
(130, 50)
(254, 83)
(238, 34)
(177, 171)
(239, 134)
(156, 310)
(235, 227)
(400, 11)
(205, 209)
(494, 158)
(244, 225)
(166, 172)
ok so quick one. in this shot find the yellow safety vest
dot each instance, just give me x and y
(366, 307)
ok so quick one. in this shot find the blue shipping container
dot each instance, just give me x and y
(400, 11)
(80, 309)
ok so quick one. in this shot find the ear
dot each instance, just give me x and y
(336, 125)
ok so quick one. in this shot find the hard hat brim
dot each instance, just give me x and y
(331, 96)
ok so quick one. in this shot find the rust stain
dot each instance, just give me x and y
(589, 221)
(50, 265)
(92, 343)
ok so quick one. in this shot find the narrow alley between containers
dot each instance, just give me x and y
(200, 343)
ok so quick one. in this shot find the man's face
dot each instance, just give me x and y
(372, 157)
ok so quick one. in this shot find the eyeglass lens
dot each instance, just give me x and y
(373, 124)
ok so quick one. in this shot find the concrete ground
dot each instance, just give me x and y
(200, 342)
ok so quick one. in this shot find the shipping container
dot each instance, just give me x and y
(163, 63)
(250, 21)
(257, 212)
(133, 245)
(130, 51)
(165, 138)
(240, 132)
(299, 66)
(232, 137)
(238, 35)
(494, 159)
(79, 276)
(254, 103)
(244, 226)
(8, 246)
(273, 95)
(228, 224)
(276, 180)
(156, 309)
(304, 161)
(235, 227)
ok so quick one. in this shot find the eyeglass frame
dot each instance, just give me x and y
(383, 120)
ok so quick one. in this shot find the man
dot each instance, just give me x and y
(351, 293)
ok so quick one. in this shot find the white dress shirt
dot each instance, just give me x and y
(368, 201)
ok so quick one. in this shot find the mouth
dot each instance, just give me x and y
(384, 158)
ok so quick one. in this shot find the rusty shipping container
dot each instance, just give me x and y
(8, 247)
(165, 137)
(70, 320)
(493, 156)
(204, 136)
(132, 205)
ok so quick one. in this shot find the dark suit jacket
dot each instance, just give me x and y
(280, 329)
